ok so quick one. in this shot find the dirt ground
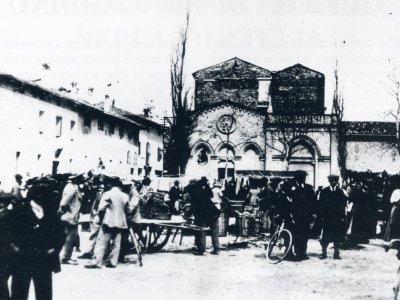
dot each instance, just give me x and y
(174, 273)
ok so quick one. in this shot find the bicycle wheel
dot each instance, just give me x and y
(279, 246)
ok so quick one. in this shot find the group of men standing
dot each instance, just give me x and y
(115, 205)
(296, 202)
(35, 228)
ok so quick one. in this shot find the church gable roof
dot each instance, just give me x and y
(234, 68)
(298, 69)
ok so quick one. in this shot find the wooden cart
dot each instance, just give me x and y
(154, 234)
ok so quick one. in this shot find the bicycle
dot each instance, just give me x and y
(280, 244)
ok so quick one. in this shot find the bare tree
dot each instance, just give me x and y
(283, 132)
(177, 142)
(338, 112)
(393, 88)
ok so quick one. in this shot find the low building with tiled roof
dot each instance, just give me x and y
(45, 131)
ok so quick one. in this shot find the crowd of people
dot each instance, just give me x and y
(39, 220)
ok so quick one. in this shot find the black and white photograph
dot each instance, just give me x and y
(215, 149)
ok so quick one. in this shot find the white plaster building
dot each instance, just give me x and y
(46, 132)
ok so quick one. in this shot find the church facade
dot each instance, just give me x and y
(248, 119)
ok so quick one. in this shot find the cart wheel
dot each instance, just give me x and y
(279, 246)
(156, 238)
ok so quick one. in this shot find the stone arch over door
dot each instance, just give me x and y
(304, 154)
(251, 155)
(199, 163)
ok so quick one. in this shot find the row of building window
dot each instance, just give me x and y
(87, 122)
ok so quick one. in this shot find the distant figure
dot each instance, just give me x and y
(37, 239)
(69, 209)
(393, 227)
(358, 229)
(332, 203)
(17, 188)
(134, 201)
(95, 222)
(175, 194)
(217, 194)
(230, 189)
(114, 204)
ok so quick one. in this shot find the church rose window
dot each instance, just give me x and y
(226, 124)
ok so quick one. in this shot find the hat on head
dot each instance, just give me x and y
(333, 176)
(217, 184)
(126, 182)
(5, 197)
(300, 174)
(203, 179)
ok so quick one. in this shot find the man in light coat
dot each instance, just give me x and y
(115, 206)
(70, 206)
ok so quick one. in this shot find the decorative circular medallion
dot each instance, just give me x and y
(226, 124)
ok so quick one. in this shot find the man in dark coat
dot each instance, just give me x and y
(37, 239)
(175, 193)
(6, 257)
(332, 203)
(205, 214)
(303, 208)
(392, 233)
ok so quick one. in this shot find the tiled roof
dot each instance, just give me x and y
(234, 68)
(298, 68)
(48, 95)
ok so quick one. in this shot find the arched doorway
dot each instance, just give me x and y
(200, 160)
(304, 156)
(251, 158)
(226, 165)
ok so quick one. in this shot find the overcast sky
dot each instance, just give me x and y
(129, 43)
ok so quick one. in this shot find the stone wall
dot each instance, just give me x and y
(298, 89)
(376, 156)
(242, 91)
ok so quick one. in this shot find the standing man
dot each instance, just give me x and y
(332, 212)
(37, 238)
(95, 222)
(303, 208)
(6, 257)
(205, 214)
(175, 194)
(115, 206)
(70, 206)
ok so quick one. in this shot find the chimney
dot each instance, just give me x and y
(107, 104)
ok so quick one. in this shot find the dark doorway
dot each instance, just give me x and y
(230, 173)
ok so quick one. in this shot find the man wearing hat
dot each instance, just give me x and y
(37, 238)
(175, 193)
(70, 206)
(114, 204)
(332, 203)
(303, 208)
(6, 261)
